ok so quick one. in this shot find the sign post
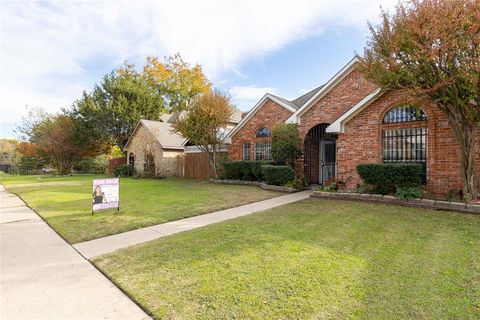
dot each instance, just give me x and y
(105, 194)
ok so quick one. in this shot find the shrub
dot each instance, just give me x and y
(286, 146)
(453, 195)
(125, 170)
(408, 193)
(297, 184)
(96, 165)
(333, 184)
(238, 170)
(278, 175)
(256, 167)
(363, 188)
(386, 178)
(244, 170)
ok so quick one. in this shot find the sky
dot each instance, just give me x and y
(51, 51)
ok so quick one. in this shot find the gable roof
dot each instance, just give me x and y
(162, 132)
(349, 67)
(290, 106)
(300, 101)
(338, 126)
(287, 102)
(301, 104)
(236, 116)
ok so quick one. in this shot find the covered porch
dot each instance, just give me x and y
(320, 155)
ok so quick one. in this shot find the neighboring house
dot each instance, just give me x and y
(153, 148)
(349, 121)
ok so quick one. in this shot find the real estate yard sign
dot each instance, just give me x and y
(105, 194)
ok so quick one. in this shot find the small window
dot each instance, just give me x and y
(263, 151)
(263, 132)
(404, 114)
(246, 151)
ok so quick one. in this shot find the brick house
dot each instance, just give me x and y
(348, 121)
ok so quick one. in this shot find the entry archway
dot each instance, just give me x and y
(320, 153)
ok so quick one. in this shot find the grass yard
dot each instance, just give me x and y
(314, 259)
(65, 202)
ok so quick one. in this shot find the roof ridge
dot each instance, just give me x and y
(306, 96)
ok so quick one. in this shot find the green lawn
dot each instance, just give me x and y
(315, 259)
(65, 202)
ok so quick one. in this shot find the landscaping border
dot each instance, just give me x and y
(419, 203)
(255, 183)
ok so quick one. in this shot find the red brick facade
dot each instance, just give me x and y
(361, 141)
(268, 115)
(337, 101)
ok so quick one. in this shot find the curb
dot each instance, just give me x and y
(418, 203)
(255, 183)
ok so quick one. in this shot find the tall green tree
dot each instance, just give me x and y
(112, 110)
(204, 124)
(432, 47)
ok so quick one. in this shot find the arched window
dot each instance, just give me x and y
(262, 150)
(131, 159)
(404, 114)
(263, 132)
(405, 143)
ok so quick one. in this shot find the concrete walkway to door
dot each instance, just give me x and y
(43, 277)
(93, 248)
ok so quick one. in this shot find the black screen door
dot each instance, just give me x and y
(327, 160)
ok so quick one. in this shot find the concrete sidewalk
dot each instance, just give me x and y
(93, 248)
(43, 277)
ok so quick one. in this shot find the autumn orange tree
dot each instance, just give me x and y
(113, 108)
(432, 47)
(55, 140)
(29, 160)
(204, 124)
(176, 80)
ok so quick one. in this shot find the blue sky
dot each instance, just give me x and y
(50, 51)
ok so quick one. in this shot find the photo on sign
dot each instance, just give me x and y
(105, 194)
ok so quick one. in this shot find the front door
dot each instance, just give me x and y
(327, 160)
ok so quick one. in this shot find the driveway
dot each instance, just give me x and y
(43, 277)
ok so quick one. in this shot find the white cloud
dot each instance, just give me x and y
(51, 50)
(246, 96)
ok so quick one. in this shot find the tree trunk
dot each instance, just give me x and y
(213, 161)
(466, 134)
(64, 168)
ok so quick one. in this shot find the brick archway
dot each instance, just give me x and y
(319, 158)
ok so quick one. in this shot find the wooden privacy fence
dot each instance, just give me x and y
(112, 163)
(192, 164)
(196, 165)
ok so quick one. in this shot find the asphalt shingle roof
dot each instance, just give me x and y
(162, 131)
(290, 103)
(300, 101)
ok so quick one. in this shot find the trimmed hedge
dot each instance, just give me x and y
(278, 175)
(244, 170)
(385, 178)
(125, 170)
